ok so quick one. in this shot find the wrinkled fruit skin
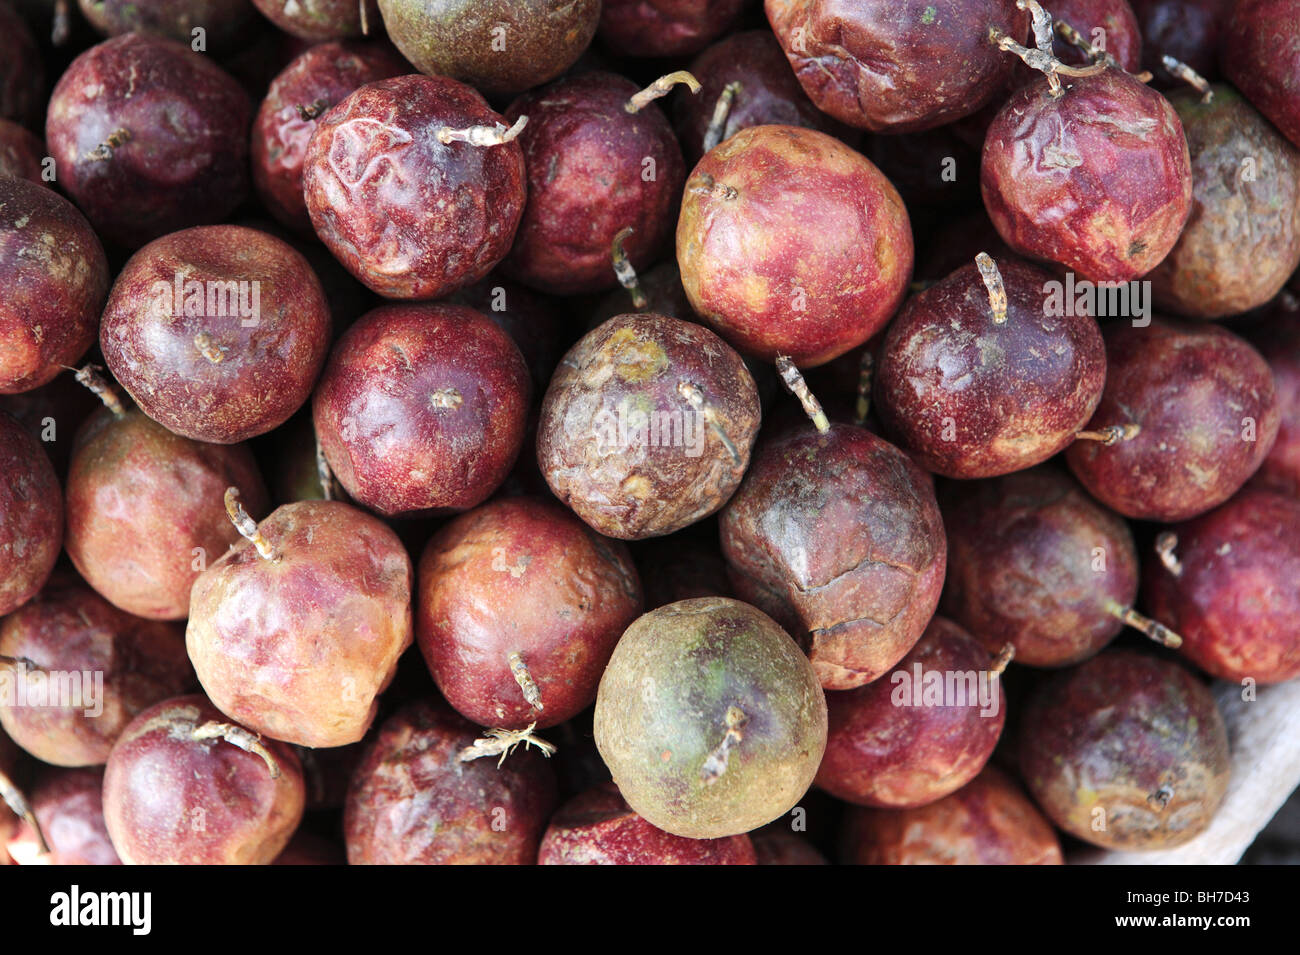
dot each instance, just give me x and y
(601, 441)
(497, 46)
(413, 802)
(31, 515)
(677, 677)
(580, 143)
(971, 398)
(522, 576)
(1098, 179)
(1121, 35)
(221, 20)
(21, 152)
(317, 79)
(1208, 411)
(55, 278)
(333, 617)
(664, 28)
(898, 67)
(70, 628)
(422, 407)
(598, 827)
(755, 271)
(1280, 346)
(318, 20)
(262, 308)
(172, 799)
(1188, 30)
(989, 821)
(145, 510)
(409, 216)
(838, 536)
(1024, 566)
(1235, 602)
(1242, 241)
(69, 806)
(1260, 54)
(891, 747)
(22, 75)
(184, 158)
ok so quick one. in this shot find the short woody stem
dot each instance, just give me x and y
(527, 684)
(240, 737)
(715, 764)
(1189, 76)
(660, 87)
(482, 135)
(104, 150)
(721, 111)
(13, 798)
(365, 19)
(503, 742)
(624, 271)
(89, 377)
(1153, 629)
(866, 369)
(324, 474)
(1003, 658)
(247, 527)
(1111, 434)
(1166, 544)
(312, 110)
(993, 283)
(695, 398)
(1041, 21)
(706, 185)
(62, 27)
(1043, 62)
(208, 348)
(795, 384)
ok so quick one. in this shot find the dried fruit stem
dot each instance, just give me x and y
(1041, 22)
(866, 368)
(365, 19)
(105, 149)
(623, 270)
(721, 110)
(1003, 658)
(1156, 631)
(993, 282)
(482, 135)
(13, 798)
(208, 348)
(247, 527)
(1189, 76)
(695, 398)
(237, 736)
(324, 474)
(716, 762)
(89, 377)
(525, 680)
(503, 742)
(1111, 434)
(708, 186)
(312, 110)
(62, 27)
(1166, 543)
(795, 384)
(1043, 62)
(660, 87)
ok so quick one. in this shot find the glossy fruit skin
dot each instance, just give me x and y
(598, 827)
(595, 442)
(21, 152)
(1121, 34)
(22, 74)
(519, 575)
(1099, 741)
(1034, 561)
(389, 445)
(271, 323)
(171, 799)
(1279, 343)
(496, 46)
(222, 21)
(145, 510)
(1098, 180)
(1260, 54)
(69, 805)
(989, 821)
(770, 285)
(1235, 603)
(70, 628)
(410, 217)
(1242, 241)
(319, 20)
(1199, 394)
(664, 28)
(580, 143)
(1188, 30)
(55, 277)
(31, 515)
(839, 537)
(413, 802)
(971, 398)
(662, 712)
(318, 78)
(333, 617)
(885, 749)
(897, 67)
(186, 161)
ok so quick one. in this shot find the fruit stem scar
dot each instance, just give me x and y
(866, 368)
(312, 110)
(89, 377)
(660, 87)
(1162, 796)
(1166, 543)
(445, 398)
(247, 527)
(721, 110)
(624, 271)
(716, 762)
(105, 149)
(208, 348)
(504, 742)
(1111, 434)
(795, 384)
(1153, 629)
(525, 680)
(708, 186)
(22, 663)
(993, 282)
(240, 737)
(496, 135)
(695, 398)
(13, 798)
(1002, 658)
(1189, 76)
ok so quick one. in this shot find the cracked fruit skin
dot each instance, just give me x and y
(664, 28)
(69, 805)
(598, 827)
(1023, 566)
(1242, 241)
(601, 441)
(886, 750)
(1107, 741)
(422, 408)
(413, 802)
(525, 576)
(31, 515)
(891, 66)
(1260, 54)
(170, 799)
(755, 270)
(989, 821)
(301, 648)
(410, 216)
(839, 537)
(1207, 407)
(1098, 179)
(679, 678)
(1014, 394)
(1235, 602)
(55, 278)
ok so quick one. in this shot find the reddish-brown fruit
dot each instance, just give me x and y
(52, 414)
(1188, 30)
(219, 22)
(21, 152)
(1279, 343)
(69, 807)
(413, 801)
(31, 515)
(176, 791)
(422, 408)
(1206, 405)
(22, 75)
(1260, 54)
(520, 605)
(1108, 26)
(317, 20)
(664, 28)
(768, 283)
